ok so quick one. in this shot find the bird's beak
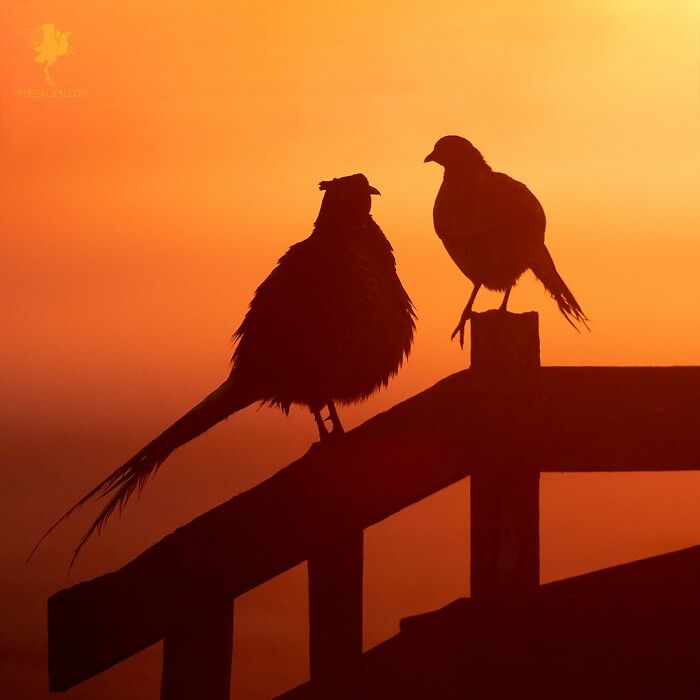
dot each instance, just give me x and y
(430, 158)
(374, 190)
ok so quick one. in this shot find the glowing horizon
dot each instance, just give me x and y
(140, 216)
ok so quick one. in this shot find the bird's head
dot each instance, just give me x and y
(455, 152)
(347, 199)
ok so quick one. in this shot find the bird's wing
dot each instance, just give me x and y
(510, 207)
(309, 319)
(280, 318)
(524, 219)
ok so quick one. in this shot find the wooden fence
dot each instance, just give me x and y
(502, 423)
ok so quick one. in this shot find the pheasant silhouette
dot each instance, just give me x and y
(52, 45)
(332, 322)
(493, 228)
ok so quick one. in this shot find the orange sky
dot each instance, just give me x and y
(138, 219)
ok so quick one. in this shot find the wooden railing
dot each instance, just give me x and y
(502, 422)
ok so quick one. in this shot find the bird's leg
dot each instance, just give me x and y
(465, 315)
(323, 433)
(504, 303)
(335, 419)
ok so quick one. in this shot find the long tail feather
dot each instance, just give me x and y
(133, 474)
(546, 272)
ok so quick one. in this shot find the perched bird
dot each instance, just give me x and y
(331, 323)
(493, 228)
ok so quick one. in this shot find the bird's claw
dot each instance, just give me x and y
(334, 429)
(328, 439)
(460, 330)
(315, 446)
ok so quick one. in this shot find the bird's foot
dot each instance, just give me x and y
(336, 429)
(334, 418)
(321, 425)
(334, 436)
(325, 435)
(460, 330)
(315, 446)
(326, 440)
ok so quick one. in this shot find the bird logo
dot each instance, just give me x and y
(52, 44)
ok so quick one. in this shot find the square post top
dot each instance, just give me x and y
(503, 343)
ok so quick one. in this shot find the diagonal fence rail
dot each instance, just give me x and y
(502, 422)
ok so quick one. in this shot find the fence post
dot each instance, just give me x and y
(197, 657)
(505, 542)
(335, 618)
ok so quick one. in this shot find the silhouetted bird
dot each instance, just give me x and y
(332, 322)
(493, 228)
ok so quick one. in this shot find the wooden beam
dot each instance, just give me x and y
(612, 419)
(505, 489)
(390, 462)
(505, 538)
(505, 346)
(197, 656)
(637, 647)
(583, 419)
(670, 575)
(629, 631)
(335, 617)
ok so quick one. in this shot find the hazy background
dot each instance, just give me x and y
(136, 222)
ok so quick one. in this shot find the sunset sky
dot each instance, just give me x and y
(138, 217)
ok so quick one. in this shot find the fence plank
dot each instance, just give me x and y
(197, 657)
(504, 489)
(335, 617)
(629, 631)
(572, 418)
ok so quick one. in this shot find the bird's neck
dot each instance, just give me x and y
(359, 234)
(348, 219)
(466, 174)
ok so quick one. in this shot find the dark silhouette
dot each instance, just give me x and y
(332, 322)
(493, 228)
(625, 632)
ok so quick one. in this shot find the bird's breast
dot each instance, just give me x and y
(456, 212)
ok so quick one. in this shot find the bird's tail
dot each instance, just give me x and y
(119, 486)
(546, 272)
